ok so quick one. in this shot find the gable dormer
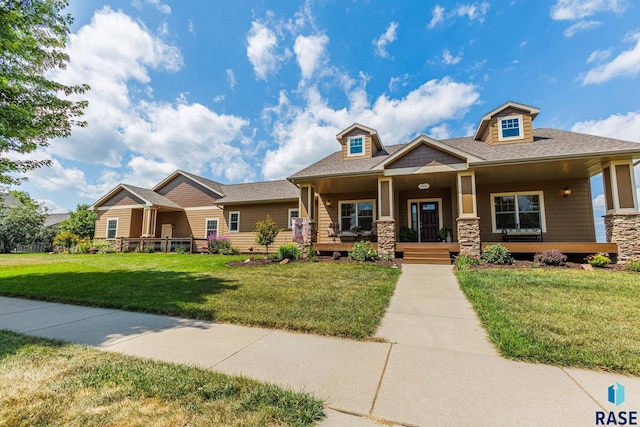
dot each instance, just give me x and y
(359, 142)
(508, 124)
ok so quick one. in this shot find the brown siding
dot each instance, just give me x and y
(187, 193)
(328, 215)
(135, 230)
(608, 193)
(246, 241)
(189, 223)
(369, 149)
(122, 198)
(384, 199)
(625, 186)
(423, 155)
(250, 214)
(124, 222)
(467, 194)
(568, 219)
(527, 127)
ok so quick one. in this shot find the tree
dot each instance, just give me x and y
(22, 223)
(33, 108)
(266, 232)
(82, 222)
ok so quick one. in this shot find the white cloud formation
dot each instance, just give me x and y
(306, 134)
(581, 26)
(396, 82)
(310, 52)
(473, 11)
(190, 27)
(626, 64)
(381, 42)
(231, 78)
(620, 126)
(261, 50)
(162, 7)
(571, 10)
(449, 59)
(599, 56)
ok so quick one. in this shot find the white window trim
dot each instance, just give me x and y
(418, 201)
(231, 213)
(364, 147)
(290, 219)
(106, 234)
(206, 229)
(540, 194)
(520, 128)
(346, 202)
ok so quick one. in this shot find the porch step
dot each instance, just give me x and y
(427, 256)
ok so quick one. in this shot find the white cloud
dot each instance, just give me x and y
(578, 9)
(261, 50)
(162, 7)
(620, 126)
(147, 172)
(381, 42)
(524, 43)
(190, 27)
(439, 132)
(580, 26)
(626, 64)
(305, 134)
(231, 78)
(310, 52)
(437, 16)
(449, 59)
(473, 11)
(396, 82)
(599, 56)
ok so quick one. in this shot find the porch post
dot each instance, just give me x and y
(386, 223)
(468, 223)
(149, 218)
(622, 220)
(307, 210)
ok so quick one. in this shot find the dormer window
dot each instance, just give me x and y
(510, 128)
(356, 146)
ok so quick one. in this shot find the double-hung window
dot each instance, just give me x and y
(510, 128)
(211, 227)
(234, 222)
(112, 228)
(356, 146)
(356, 215)
(518, 211)
(293, 213)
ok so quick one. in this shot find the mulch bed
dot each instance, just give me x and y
(530, 264)
(252, 262)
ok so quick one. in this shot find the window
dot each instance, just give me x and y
(293, 213)
(112, 228)
(356, 216)
(518, 211)
(211, 227)
(510, 128)
(356, 146)
(234, 222)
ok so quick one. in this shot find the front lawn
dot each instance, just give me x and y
(561, 317)
(342, 299)
(47, 383)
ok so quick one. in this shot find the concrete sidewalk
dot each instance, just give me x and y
(438, 368)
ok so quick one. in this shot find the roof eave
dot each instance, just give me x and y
(634, 153)
(296, 180)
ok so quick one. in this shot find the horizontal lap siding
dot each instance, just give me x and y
(187, 193)
(568, 219)
(250, 215)
(188, 223)
(246, 241)
(123, 198)
(124, 222)
(328, 215)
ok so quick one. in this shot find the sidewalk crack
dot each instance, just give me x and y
(384, 370)
(583, 389)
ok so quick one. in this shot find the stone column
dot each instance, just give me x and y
(386, 238)
(469, 235)
(623, 229)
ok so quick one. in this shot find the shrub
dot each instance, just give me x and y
(408, 234)
(550, 257)
(363, 251)
(66, 239)
(633, 265)
(181, 251)
(217, 243)
(599, 260)
(290, 251)
(465, 261)
(497, 254)
(229, 251)
(149, 249)
(103, 247)
(311, 252)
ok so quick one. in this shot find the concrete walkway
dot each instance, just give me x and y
(437, 368)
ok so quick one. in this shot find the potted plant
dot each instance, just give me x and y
(442, 234)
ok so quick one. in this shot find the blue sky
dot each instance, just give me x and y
(245, 91)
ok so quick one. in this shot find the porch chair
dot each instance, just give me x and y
(332, 231)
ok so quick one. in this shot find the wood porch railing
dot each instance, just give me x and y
(166, 245)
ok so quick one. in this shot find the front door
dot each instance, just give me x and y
(429, 221)
(167, 231)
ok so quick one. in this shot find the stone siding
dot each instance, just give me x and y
(469, 235)
(386, 238)
(623, 229)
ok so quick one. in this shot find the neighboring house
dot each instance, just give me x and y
(54, 219)
(526, 188)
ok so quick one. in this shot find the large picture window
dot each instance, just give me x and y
(112, 228)
(518, 211)
(356, 215)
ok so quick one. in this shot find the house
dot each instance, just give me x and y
(526, 188)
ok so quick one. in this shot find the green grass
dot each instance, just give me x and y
(341, 299)
(48, 383)
(560, 317)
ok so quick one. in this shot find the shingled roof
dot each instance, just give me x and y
(548, 144)
(258, 192)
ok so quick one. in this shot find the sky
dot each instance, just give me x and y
(240, 91)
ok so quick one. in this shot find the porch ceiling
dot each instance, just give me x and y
(539, 171)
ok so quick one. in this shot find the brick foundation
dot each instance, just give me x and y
(386, 238)
(469, 235)
(623, 229)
